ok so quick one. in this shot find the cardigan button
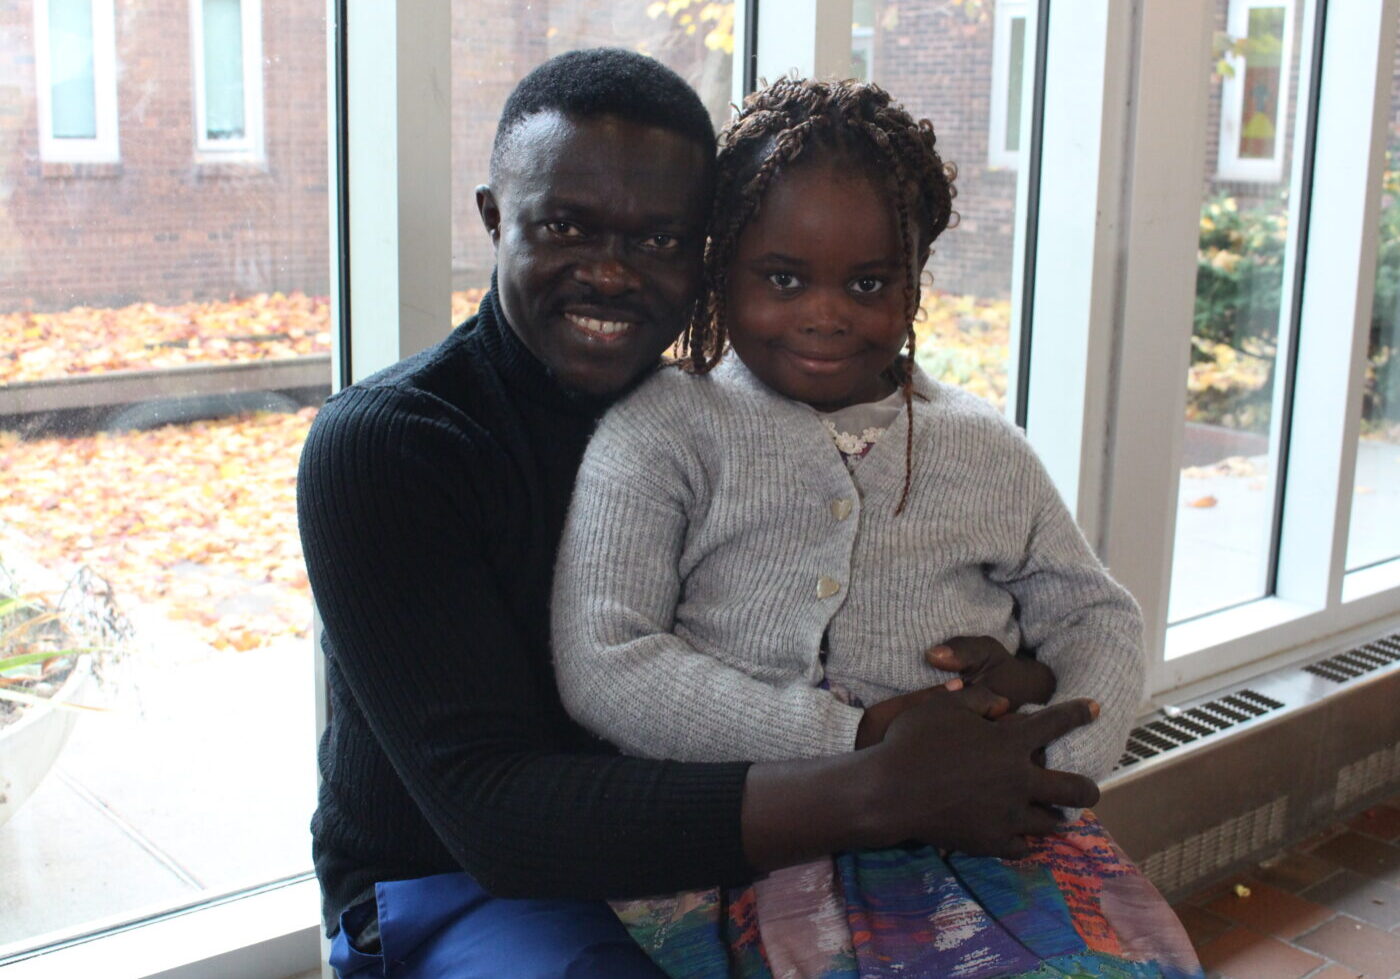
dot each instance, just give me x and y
(840, 509)
(826, 587)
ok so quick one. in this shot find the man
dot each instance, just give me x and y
(466, 826)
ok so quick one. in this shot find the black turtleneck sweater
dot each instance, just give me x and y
(431, 498)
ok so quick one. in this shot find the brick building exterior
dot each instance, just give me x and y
(165, 225)
(162, 224)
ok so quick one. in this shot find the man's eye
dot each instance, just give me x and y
(867, 285)
(784, 280)
(661, 242)
(564, 229)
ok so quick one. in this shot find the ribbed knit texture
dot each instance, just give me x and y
(705, 531)
(431, 498)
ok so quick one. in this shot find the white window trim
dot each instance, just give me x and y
(1007, 10)
(104, 147)
(251, 146)
(1229, 164)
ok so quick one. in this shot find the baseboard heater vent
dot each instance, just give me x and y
(1359, 661)
(1222, 845)
(1183, 727)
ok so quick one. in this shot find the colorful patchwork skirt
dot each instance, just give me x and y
(1077, 906)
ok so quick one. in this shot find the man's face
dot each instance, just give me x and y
(598, 225)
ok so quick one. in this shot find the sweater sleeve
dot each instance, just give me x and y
(425, 641)
(1083, 625)
(623, 670)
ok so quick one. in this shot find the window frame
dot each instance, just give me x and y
(104, 147)
(1315, 603)
(251, 145)
(1229, 164)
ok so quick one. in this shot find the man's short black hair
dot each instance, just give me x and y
(606, 81)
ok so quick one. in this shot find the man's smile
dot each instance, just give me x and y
(598, 328)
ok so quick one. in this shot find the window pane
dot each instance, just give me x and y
(938, 60)
(163, 347)
(1225, 517)
(73, 79)
(223, 69)
(693, 37)
(1375, 508)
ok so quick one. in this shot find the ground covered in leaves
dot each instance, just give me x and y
(197, 521)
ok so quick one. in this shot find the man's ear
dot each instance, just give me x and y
(490, 212)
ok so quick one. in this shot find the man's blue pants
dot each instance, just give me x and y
(447, 926)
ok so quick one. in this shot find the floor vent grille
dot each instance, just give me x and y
(1201, 856)
(1170, 732)
(1359, 661)
(1369, 774)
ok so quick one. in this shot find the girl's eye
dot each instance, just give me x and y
(867, 285)
(784, 280)
(662, 242)
(564, 229)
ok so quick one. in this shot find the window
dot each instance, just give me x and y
(1009, 61)
(934, 59)
(228, 78)
(75, 67)
(863, 40)
(166, 343)
(1258, 51)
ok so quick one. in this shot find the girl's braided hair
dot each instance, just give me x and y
(855, 123)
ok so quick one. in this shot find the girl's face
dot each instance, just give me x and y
(815, 301)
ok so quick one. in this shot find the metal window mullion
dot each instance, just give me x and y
(1340, 267)
(1165, 162)
(1080, 197)
(399, 178)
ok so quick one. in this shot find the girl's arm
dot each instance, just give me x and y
(622, 672)
(1083, 625)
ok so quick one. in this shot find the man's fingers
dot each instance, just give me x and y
(1041, 821)
(981, 700)
(1065, 789)
(1057, 720)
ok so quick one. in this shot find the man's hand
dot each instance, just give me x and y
(877, 718)
(952, 771)
(983, 661)
(980, 791)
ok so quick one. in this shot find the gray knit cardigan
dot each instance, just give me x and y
(715, 535)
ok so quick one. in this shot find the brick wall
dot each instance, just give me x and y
(159, 225)
(162, 226)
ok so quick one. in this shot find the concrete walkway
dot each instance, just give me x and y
(205, 785)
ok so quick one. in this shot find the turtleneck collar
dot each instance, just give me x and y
(522, 372)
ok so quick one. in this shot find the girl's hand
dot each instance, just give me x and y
(983, 661)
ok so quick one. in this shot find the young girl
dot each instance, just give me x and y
(762, 543)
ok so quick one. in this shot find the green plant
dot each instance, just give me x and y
(1239, 286)
(43, 642)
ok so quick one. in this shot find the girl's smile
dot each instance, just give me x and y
(816, 290)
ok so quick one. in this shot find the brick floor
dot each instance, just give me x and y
(1326, 908)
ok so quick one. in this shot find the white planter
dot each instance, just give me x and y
(30, 746)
